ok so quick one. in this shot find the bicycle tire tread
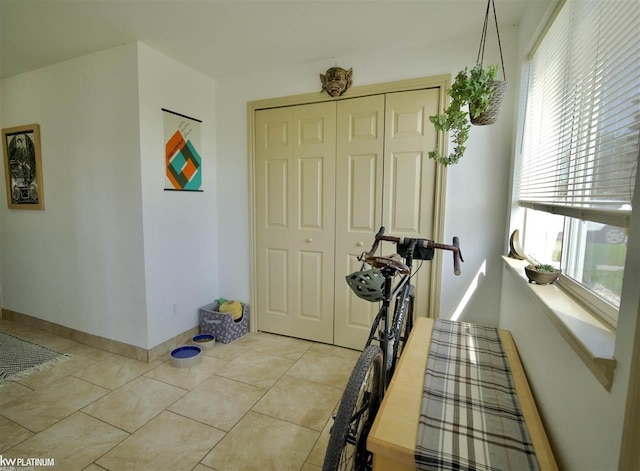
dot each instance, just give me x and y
(339, 431)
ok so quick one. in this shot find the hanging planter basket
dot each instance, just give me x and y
(498, 87)
(476, 98)
(490, 115)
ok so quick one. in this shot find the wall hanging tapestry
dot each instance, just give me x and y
(183, 163)
(23, 167)
(20, 358)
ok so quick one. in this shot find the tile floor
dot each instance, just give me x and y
(262, 402)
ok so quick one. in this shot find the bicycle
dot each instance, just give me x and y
(374, 369)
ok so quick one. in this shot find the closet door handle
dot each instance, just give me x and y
(360, 244)
(309, 240)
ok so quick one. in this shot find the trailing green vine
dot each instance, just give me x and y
(471, 89)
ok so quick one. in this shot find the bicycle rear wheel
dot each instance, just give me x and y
(347, 445)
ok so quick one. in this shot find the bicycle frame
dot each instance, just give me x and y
(390, 335)
(390, 332)
(375, 367)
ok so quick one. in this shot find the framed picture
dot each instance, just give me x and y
(183, 164)
(23, 167)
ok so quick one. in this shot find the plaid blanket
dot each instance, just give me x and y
(470, 418)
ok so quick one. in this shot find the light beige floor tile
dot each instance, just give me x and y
(219, 402)
(332, 350)
(262, 443)
(187, 378)
(135, 403)
(281, 346)
(45, 339)
(86, 351)
(309, 467)
(5, 325)
(316, 457)
(55, 372)
(51, 403)
(10, 391)
(228, 352)
(168, 442)
(259, 369)
(202, 467)
(18, 330)
(115, 372)
(252, 339)
(321, 368)
(94, 467)
(11, 434)
(300, 401)
(73, 443)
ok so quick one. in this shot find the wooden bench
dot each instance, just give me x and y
(393, 435)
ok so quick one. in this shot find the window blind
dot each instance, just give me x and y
(582, 125)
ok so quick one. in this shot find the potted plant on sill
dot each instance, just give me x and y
(542, 274)
(478, 90)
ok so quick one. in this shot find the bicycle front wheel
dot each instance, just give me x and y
(347, 445)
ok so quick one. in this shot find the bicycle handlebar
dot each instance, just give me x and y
(427, 244)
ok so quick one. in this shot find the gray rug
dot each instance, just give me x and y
(20, 358)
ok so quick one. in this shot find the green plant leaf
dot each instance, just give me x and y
(471, 89)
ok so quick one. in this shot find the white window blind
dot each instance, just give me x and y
(582, 123)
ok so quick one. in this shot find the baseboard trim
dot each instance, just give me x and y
(102, 343)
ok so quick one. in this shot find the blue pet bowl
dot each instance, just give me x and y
(186, 356)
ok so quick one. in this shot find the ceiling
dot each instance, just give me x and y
(234, 37)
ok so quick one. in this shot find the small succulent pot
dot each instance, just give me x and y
(541, 277)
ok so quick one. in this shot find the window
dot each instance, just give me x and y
(580, 147)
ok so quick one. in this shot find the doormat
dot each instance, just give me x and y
(20, 358)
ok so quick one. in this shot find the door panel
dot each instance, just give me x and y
(404, 192)
(274, 151)
(314, 157)
(310, 189)
(295, 176)
(358, 209)
(310, 286)
(277, 281)
(410, 176)
(276, 184)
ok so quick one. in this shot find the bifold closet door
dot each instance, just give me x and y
(360, 145)
(384, 177)
(410, 176)
(295, 231)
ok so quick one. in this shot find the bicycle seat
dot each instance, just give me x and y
(392, 261)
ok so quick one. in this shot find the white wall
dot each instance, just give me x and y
(584, 421)
(79, 262)
(180, 228)
(477, 188)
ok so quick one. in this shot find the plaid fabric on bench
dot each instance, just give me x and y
(470, 418)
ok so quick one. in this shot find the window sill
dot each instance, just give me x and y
(591, 339)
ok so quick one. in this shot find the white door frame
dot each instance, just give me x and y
(443, 82)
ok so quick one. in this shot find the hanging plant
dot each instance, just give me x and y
(476, 98)
(470, 94)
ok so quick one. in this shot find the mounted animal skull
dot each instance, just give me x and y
(336, 81)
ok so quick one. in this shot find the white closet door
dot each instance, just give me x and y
(410, 176)
(360, 143)
(295, 178)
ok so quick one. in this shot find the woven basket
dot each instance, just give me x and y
(490, 116)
